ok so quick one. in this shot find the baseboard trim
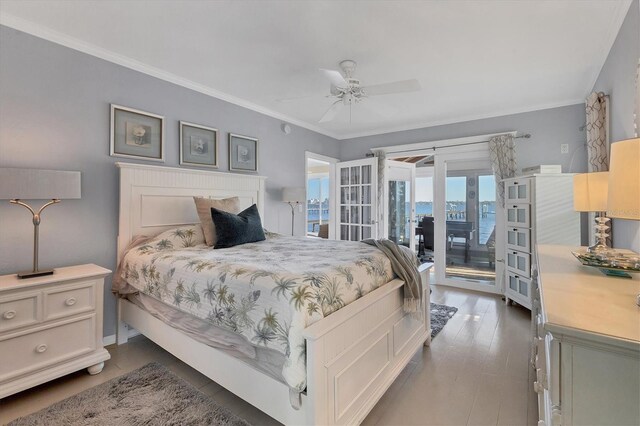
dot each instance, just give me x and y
(111, 339)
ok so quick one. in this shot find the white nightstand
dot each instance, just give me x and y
(50, 326)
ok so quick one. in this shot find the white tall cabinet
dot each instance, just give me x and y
(539, 210)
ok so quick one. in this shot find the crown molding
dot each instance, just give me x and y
(426, 124)
(57, 37)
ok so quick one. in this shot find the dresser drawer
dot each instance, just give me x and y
(519, 263)
(518, 215)
(19, 310)
(519, 285)
(518, 191)
(26, 352)
(519, 239)
(69, 300)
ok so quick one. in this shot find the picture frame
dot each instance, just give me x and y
(198, 145)
(136, 134)
(243, 153)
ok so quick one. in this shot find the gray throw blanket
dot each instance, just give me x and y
(405, 265)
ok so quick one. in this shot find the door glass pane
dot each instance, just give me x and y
(512, 192)
(366, 232)
(366, 174)
(511, 237)
(344, 232)
(344, 195)
(366, 194)
(366, 214)
(355, 217)
(344, 214)
(522, 263)
(354, 194)
(355, 233)
(344, 176)
(470, 201)
(355, 175)
(522, 216)
(399, 212)
(511, 215)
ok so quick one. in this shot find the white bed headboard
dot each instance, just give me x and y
(156, 198)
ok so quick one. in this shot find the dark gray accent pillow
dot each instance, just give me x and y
(235, 229)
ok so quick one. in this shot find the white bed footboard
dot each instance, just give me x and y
(353, 356)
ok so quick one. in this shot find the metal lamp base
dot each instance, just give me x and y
(33, 274)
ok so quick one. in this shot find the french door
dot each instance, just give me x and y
(399, 202)
(468, 222)
(357, 192)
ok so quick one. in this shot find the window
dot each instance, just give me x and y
(317, 202)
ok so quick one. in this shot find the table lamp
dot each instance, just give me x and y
(35, 184)
(624, 180)
(293, 197)
(590, 195)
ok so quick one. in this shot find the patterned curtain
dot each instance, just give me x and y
(597, 132)
(502, 150)
(382, 157)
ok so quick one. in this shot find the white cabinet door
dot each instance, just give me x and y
(357, 199)
(518, 191)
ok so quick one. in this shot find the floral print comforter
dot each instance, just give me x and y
(267, 291)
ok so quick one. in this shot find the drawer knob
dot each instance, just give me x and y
(41, 348)
(9, 315)
(70, 301)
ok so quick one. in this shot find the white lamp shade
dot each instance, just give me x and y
(590, 192)
(624, 180)
(294, 195)
(36, 184)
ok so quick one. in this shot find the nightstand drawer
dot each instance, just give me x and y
(19, 310)
(26, 352)
(69, 300)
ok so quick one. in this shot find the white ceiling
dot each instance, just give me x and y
(474, 59)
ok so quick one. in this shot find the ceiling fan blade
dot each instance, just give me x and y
(395, 87)
(335, 77)
(331, 112)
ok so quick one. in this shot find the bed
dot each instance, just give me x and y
(350, 354)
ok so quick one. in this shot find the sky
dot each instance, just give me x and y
(315, 186)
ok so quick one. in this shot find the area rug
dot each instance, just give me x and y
(151, 395)
(440, 314)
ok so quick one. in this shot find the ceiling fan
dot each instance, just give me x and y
(347, 91)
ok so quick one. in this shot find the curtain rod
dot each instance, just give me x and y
(525, 136)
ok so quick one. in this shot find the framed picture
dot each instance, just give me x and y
(198, 145)
(136, 134)
(243, 153)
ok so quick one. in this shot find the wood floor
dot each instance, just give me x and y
(475, 372)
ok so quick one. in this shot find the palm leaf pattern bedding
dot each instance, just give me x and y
(267, 291)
